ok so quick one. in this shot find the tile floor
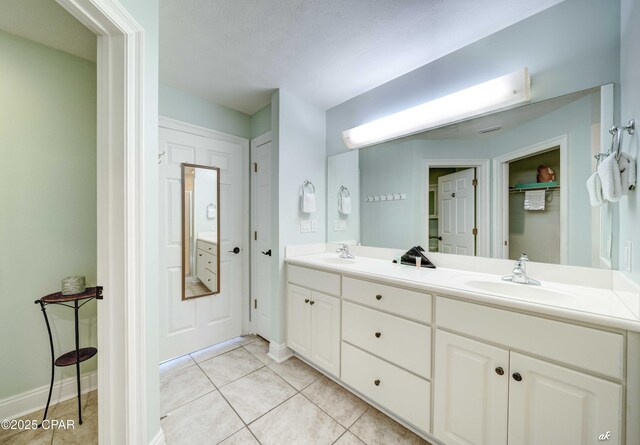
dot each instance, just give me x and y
(232, 393)
(85, 434)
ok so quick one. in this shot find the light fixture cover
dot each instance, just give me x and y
(493, 95)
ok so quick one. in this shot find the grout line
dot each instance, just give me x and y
(335, 441)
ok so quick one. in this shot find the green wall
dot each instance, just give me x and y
(261, 121)
(48, 202)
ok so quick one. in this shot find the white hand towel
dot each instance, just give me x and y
(344, 206)
(594, 186)
(534, 199)
(308, 204)
(609, 173)
(627, 166)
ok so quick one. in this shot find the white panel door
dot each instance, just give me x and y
(456, 213)
(188, 325)
(471, 391)
(299, 319)
(261, 251)
(325, 332)
(553, 404)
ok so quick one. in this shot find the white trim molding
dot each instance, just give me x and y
(122, 412)
(36, 399)
(279, 352)
(483, 224)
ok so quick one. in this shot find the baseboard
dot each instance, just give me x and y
(279, 353)
(158, 439)
(36, 399)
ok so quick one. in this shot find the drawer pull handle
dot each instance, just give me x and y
(312, 302)
(378, 334)
(517, 377)
(378, 297)
(499, 370)
(376, 382)
(306, 300)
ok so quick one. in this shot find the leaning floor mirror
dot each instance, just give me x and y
(200, 230)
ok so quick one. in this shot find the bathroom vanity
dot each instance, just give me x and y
(465, 358)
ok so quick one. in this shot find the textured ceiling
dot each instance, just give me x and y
(46, 22)
(236, 52)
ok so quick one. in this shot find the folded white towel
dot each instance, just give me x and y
(308, 202)
(535, 199)
(609, 173)
(594, 186)
(344, 205)
(627, 166)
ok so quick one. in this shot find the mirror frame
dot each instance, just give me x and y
(183, 166)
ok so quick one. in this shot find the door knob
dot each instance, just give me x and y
(517, 377)
(499, 370)
(235, 250)
(306, 300)
(312, 302)
(267, 253)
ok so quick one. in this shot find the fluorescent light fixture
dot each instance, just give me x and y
(496, 94)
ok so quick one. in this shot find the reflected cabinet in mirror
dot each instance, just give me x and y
(496, 186)
(200, 230)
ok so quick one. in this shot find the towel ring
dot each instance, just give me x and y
(308, 183)
(616, 140)
(344, 192)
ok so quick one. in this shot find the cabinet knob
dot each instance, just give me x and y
(311, 302)
(306, 300)
(378, 297)
(499, 370)
(517, 377)
(378, 334)
(376, 382)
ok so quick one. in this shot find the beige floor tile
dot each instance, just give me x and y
(182, 387)
(207, 420)
(376, 428)
(230, 366)
(336, 401)
(259, 348)
(215, 350)
(297, 373)
(242, 437)
(85, 434)
(257, 393)
(29, 437)
(246, 339)
(297, 421)
(349, 439)
(177, 364)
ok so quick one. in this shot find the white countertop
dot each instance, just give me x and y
(595, 305)
(209, 237)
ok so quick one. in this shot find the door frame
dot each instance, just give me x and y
(174, 124)
(501, 194)
(121, 173)
(482, 199)
(255, 143)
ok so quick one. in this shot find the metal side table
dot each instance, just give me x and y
(78, 355)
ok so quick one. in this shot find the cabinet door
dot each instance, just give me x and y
(553, 404)
(325, 332)
(470, 394)
(298, 319)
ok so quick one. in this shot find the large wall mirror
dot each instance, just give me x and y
(493, 186)
(200, 231)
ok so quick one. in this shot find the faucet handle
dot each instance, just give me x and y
(523, 257)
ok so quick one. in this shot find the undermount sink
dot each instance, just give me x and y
(337, 260)
(517, 290)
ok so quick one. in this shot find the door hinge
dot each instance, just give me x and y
(255, 167)
(505, 243)
(255, 236)
(255, 304)
(474, 182)
(475, 232)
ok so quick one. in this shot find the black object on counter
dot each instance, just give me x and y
(409, 258)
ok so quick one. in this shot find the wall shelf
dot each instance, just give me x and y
(522, 190)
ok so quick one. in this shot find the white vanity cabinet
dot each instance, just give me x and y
(490, 395)
(313, 318)
(207, 264)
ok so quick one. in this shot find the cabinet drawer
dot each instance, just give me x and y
(407, 303)
(399, 391)
(209, 280)
(207, 247)
(587, 348)
(207, 260)
(328, 283)
(402, 342)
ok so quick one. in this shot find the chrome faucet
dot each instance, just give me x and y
(343, 250)
(519, 273)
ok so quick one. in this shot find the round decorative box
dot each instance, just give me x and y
(73, 285)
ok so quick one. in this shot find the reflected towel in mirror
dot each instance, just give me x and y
(534, 200)
(609, 172)
(628, 174)
(594, 187)
(344, 205)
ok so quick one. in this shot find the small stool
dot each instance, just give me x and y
(78, 355)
